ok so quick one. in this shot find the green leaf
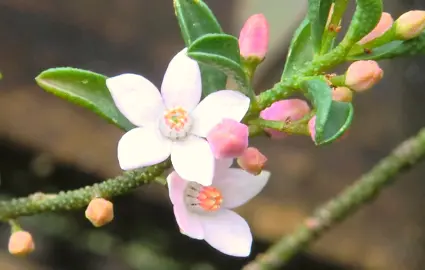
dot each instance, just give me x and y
(318, 12)
(365, 18)
(195, 20)
(300, 51)
(220, 51)
(84, 88)
(332, 117)
(394, 49)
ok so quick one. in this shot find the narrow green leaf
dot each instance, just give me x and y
(300, 51)
(397, 48)
(318, 12)
(195, 20)
(220, 51)
(332, 117)
(365, 18)
(84, 88)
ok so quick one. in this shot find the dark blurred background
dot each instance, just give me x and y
(49, 145)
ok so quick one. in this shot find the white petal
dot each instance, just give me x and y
(182, 85)
(136, 98)
(193, 160)
(222, 165)
(189, 223)
(176, 187)
(228, 232)
(237, 186)
(217, 106)
(142, 147)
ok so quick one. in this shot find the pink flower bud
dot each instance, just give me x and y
(100, 212)
(254, 37)
(384, 24)
(362, 75)
(252, 160)
(21, 243)
(343, 94)
(228, 139)
(312, 128)
(284, 110)
(410, 24)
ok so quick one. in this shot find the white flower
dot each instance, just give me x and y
(203, 212)
(174, 121)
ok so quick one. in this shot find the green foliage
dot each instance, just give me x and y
(318, 12)
(84, 88)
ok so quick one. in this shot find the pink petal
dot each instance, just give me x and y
(176, 187)
(238, 186)
(217, 106)
(221, 165)
(227, 232)
(189, 223)
(182, 85)
(142, 147)
(193, 160)
(136, 98)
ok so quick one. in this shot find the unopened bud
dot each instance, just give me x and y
(100, 212)
(252, 161)
(284, 110)
(343, 94)
(312, 128)
(228, 139)
(254, 38)
(384, 24)
(21, 243)
(362, 75)
(410, 24)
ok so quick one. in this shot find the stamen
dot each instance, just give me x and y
(175, 123)
(201, 199)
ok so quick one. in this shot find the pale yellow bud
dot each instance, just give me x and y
(100, 212)
(21, 243)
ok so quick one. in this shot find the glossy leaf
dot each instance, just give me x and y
(195, 20)
(365, 18)
(318, 12)
(332, 117)
(397, 48)
(220, 51)
(300, 51)
(84, 88)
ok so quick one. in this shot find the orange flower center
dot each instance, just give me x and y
(201, 199)
(176, 118)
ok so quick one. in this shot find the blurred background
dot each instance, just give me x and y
(49, 145)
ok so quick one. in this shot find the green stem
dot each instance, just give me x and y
(362, 191)
(338, 80)
(331, 30)
(298, 127)
(76, 199)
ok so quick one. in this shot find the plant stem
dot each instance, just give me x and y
(331, 30)
(362, 191)
(76, 199)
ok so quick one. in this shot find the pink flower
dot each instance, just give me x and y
(228, 139)
(384, 24)
(254, 37)
(284, 110)
(410, 24)
(203, 212)
(363, 75)
(312, 128)
(343, 94)
(252, 160)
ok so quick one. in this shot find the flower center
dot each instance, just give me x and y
(175, 124)
(201, 199)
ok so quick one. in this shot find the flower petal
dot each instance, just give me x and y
(142, 147)
(136, 98)
(238, 186)
(189, 223)
(176, 187)
(193, 160)
(182, 85)
(222, 165)
(217, 106)
(227, 232)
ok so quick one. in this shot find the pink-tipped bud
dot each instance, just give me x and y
(284, 110)
(254, 37)
(362, 75)
(312, 128)
(410, 24)
(343, 94)
(100, 212)
(252, 160)
(384, 24)
(21, 243)
(228, 139)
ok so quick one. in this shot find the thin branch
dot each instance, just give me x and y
(407, 154)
